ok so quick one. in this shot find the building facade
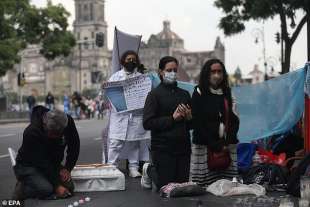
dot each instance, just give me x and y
(83, 69)
(88, 65)
(168, 42)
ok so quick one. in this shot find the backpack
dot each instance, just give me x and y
(271, 174)
(245, 153)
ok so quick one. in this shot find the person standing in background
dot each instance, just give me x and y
(76, 102)
(50, 101)
(66, 104)
(31, 101)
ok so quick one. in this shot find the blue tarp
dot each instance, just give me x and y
(272, 107)
(265, 109)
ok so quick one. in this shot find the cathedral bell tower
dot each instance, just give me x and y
(90, 20)
(92, 62)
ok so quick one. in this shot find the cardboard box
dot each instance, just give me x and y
(97, 177)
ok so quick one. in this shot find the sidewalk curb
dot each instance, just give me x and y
(11, 121)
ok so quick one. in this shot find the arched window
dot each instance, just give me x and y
(79, 12)
(85, 13)
(91, 12)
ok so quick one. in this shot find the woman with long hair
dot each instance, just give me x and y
(215, 123)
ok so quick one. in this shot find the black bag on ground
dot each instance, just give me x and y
(266, 173)
(293, 184)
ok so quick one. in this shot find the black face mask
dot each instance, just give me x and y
(130, 66)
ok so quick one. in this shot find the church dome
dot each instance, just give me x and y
(166, 39)
(166, 33)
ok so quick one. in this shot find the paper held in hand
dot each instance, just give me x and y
(129, 94)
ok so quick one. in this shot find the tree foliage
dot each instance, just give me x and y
(238, 12)
(22, 23)
(238, 74)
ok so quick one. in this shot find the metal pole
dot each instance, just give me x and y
(308, 29)
(45, 81)
(20, 98)
(282, 45)
(264, 52)
(20, 87)
(80, 68)
(307, 100)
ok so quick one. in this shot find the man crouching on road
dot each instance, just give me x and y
(38, 168)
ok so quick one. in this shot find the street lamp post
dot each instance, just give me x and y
(21, 71)
(260, 34)
(20, 91)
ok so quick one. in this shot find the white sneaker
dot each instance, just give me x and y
(146, 181)
(134, 173)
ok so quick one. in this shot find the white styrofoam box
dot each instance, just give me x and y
(97, 177)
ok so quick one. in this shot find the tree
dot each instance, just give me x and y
(240, 11)
(22, 24)
(238, 74)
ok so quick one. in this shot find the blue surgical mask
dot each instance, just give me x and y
(170, 77)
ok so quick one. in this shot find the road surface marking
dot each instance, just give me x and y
(14, 125)
(4, 156)
(98, 138)
(7, 135)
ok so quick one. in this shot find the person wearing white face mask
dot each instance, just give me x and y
(167, 113)
(169, 77)
(126, 137)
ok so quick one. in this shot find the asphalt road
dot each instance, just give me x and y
(91, 144)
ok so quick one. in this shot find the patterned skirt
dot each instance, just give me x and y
(199, 172)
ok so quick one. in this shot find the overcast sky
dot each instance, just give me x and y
(196, 21)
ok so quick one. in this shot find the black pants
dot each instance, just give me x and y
(167, 168)
(35, 184)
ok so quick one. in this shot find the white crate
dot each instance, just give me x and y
(97, 177)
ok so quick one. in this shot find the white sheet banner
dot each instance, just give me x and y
(129, 94)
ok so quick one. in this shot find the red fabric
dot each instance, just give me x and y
(267, 157)
(307, 124)
(218, 160)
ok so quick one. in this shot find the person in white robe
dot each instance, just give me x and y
(127, 138)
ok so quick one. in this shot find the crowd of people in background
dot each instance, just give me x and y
(76, 105)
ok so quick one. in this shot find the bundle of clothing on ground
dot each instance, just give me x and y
(276, 163)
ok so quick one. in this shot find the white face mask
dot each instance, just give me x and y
(170, 77)
(216, 80)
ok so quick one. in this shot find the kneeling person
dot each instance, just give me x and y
(167, 114)
(38, 168)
